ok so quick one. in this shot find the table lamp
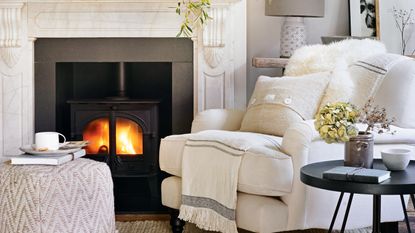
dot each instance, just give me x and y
(293, 33)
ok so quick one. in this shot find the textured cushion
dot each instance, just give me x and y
(74, 197)
(397, 93)
(368, 75)
(279, 102)
(264, 170)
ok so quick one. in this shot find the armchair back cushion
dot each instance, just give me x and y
(279, 102)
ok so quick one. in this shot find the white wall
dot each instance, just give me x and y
(389, 33)
(264, 33)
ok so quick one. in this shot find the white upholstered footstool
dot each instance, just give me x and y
(74, 197)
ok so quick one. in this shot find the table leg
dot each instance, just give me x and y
(376, 213)
(347, 212)
(413, 199)
(406, 214)
(336, 211)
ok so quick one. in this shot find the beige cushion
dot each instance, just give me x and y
(397, 93)
(279, 102)
(264, 170)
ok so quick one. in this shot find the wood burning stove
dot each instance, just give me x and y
(122, 132)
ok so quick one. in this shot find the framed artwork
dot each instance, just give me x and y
(364, 18)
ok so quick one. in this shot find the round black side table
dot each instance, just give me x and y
(400, 183)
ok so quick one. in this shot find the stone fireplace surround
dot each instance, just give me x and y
(219, 51)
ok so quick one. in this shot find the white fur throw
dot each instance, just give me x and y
(319, 58)
(279, 102)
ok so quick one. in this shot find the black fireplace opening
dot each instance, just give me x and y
(123, 95)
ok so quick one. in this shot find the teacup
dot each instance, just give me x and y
(45, 141)
(396, 159)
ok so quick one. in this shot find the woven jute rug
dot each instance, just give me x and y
(164, 227)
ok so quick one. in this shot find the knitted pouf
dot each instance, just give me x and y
(74, 197)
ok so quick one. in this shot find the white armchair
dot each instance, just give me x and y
(271, 197)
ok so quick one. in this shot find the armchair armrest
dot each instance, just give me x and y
(219, 119)
(296, 143)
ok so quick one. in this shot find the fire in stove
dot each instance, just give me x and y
(128, 137)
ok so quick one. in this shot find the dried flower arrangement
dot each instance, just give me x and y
(194, 13)
(403, 20)
(375, 118)
(336, 122)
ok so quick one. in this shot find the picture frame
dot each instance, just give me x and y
(364, 18)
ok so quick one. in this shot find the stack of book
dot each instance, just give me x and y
(65, 154)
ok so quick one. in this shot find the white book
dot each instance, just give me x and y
(26, 159)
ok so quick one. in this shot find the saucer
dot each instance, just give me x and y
(30, 149)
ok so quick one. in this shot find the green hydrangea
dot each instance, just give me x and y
(336, 122)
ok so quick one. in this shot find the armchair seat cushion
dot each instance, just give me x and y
(265, 170)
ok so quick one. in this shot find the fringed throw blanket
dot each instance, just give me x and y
(211, 161)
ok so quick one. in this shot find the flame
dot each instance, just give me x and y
(129, 137)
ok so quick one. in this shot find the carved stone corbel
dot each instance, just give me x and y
(10, 32)
(213, 36)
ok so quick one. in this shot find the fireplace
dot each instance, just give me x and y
(122, 95)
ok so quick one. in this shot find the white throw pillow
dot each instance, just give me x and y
(368, 74)
(279, 102)
(397, 93)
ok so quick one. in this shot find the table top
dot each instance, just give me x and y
(401, 182)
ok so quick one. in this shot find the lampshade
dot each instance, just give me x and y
(295, 8)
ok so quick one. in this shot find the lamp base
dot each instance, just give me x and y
(293, 36)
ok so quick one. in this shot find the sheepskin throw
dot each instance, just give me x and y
(211, 161)
(74, 197)
(319, 58)
(279, 102)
